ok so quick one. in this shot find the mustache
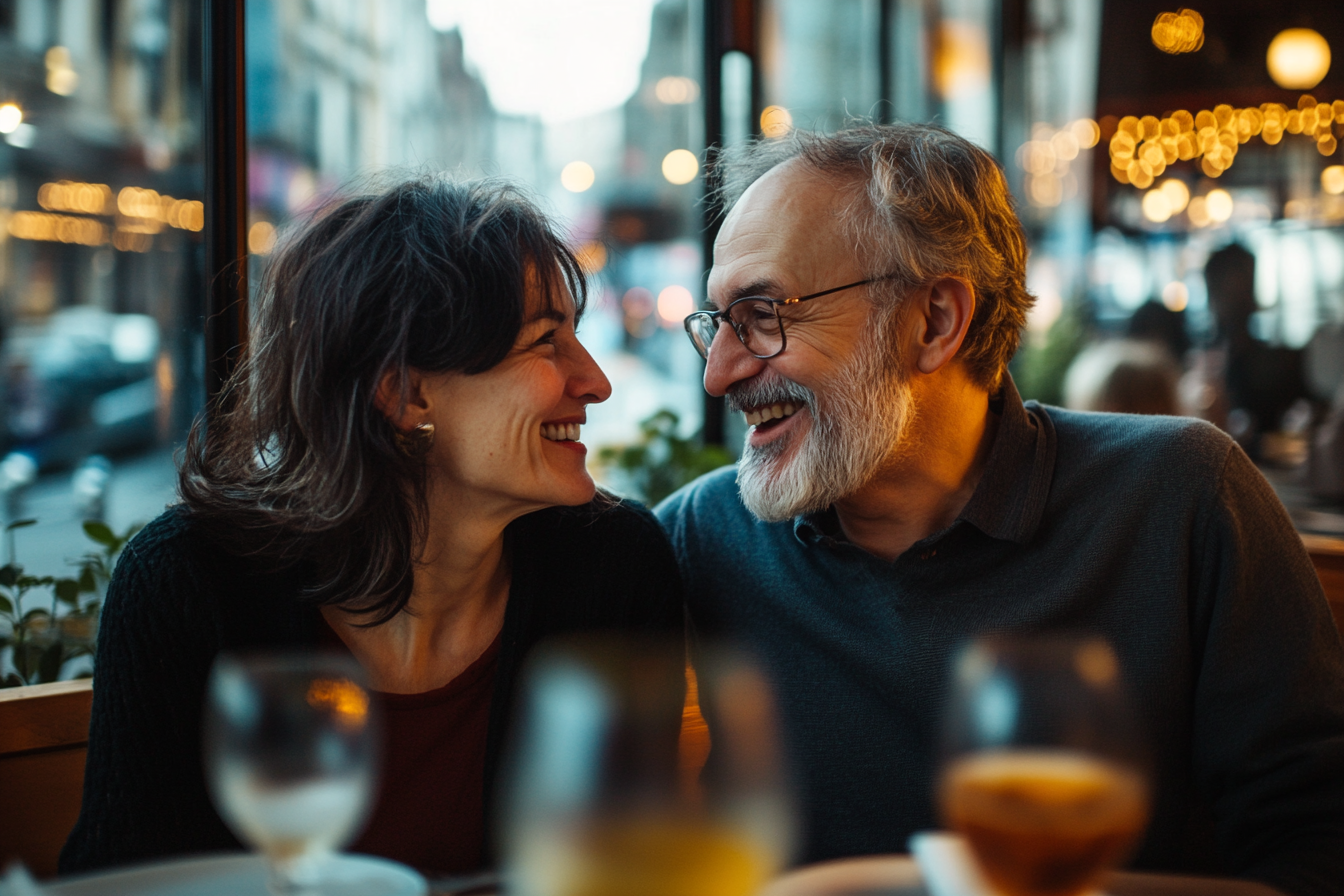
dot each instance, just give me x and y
(776, 390)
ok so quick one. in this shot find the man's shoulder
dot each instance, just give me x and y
(711, 498)
(1120, 447)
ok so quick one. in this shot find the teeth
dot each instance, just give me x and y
(771, 412)
(560, 432)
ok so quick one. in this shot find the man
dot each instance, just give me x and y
(896, 498)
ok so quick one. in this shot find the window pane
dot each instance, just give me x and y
(100, 263)
(594, 105)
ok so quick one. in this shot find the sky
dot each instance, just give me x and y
(557, 59)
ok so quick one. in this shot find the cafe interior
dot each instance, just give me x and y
(1179, 177)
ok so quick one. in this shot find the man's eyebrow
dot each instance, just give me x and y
(764, 287)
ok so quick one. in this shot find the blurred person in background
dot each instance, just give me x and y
(1123, 376)
(396, 473)
(896, 497)
(1260, 381)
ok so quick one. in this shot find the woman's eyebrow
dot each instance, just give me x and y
(548, 314)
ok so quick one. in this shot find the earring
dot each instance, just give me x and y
(415, 442)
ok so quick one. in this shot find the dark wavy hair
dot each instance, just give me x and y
(300, 468)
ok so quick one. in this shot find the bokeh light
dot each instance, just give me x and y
(1332, 180)
(11, 116)
(1219, 205)
(1156, 207)
(261, 238)
(1198, 212)
(1298, 59)
(1177, 193)
(675, 90)
(1175, 296)
(1178, 32)
(680, 166)
(577, 176)
(674, 303)
(776, 121)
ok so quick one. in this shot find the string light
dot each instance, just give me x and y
(1142, 148)
(1178, 32)
(1046, 159)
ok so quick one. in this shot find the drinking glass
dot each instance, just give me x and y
(632, 772)
(1044, 769)
(290, 754)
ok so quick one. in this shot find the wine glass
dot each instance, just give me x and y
(290, 752)
(1044, 773)
(632, 772)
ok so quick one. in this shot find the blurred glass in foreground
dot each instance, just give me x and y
(633, 773)
(1044, 772)
(291, 756)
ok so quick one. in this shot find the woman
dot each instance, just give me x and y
(398, 474)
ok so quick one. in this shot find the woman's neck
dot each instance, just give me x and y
(456, 608)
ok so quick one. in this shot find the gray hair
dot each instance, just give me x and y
(926, 204)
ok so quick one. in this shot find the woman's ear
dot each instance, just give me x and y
(402, 400)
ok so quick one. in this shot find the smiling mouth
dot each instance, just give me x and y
(560, 432)
(767, 415)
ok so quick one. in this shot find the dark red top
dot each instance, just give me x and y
(429, 810)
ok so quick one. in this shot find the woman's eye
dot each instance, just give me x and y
(548, 338)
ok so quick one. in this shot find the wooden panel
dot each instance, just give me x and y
(1327, 555)
(44, 733)
(42, 796)
(45, 715)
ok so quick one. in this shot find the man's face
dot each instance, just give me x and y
(826, 412)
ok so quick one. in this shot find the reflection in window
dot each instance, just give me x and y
(100, 263)
(594, 106)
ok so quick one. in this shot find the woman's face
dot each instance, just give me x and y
(509, 437)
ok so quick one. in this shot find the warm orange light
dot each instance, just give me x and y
(1298, 59)
(1219, 205)
(68, 196)
(1178, 32)
(1156, 207)
(261, 238)
(347, 701)
(1175, 296)
(1177, 193)
(57, 228)
(1332, 180)
(592, 257)
(776, 121)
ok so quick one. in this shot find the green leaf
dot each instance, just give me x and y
(19, 524)
(87, 581)
(67, 591)
(9, 574)
(6, 606)
(11, 681)
(99, 532)
(49, 665)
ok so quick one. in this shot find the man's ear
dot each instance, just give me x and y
(403, 414)
(942, 316)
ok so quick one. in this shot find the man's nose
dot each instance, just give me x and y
(729, 362)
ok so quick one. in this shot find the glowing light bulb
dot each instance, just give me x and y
(1298, 59)
(1219, 205)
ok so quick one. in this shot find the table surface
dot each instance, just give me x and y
(898, 875)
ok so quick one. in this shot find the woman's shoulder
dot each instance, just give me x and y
(606, 523)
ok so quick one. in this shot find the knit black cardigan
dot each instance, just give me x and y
(176, 601)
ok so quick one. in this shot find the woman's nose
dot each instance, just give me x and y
(587, 382)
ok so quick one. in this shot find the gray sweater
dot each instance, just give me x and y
(1156, 532)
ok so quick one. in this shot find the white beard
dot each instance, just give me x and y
(862, 417)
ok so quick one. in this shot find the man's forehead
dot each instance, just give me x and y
(785, 227)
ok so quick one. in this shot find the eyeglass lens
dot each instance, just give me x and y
(755, 322)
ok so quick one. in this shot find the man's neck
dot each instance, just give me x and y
(929, 477)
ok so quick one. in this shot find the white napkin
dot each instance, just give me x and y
(948, 868)
(946, 865)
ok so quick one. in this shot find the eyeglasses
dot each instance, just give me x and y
(755, 320)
